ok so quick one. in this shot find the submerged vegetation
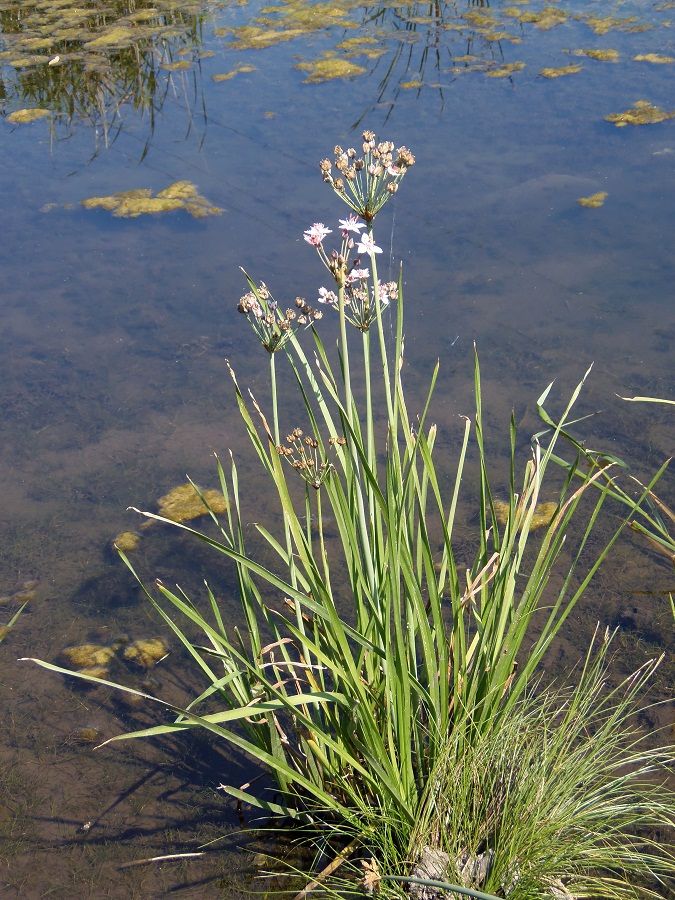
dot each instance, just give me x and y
(391, 686)
(593, 201)
(140, 202)
(641, 113)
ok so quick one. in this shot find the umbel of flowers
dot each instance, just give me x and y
(365, 182)
(359, 294)
(272, 325)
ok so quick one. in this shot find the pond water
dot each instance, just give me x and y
(116, 326)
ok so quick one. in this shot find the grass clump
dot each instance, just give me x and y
(387, 687)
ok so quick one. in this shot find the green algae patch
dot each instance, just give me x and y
(287, 21)
(541, 517)
(357, 43)
(24, 116)
(544, 19)
(601, 55)
(604, 24)
(328, 68)
(595, 201)
(146, 652)
(119, 36)
(642, 113)
(178, 66)
(655, 58)
(140, 202)
(127, 541)
(505, 70)
(183, 503)
(227, 76)
(88, 656)
(561, 71)
(255, 37)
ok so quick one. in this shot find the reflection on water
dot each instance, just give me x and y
(86, 62)
(531, 225)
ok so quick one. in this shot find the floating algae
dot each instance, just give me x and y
(126, 541)
(594, 201)
(139, 202)
(23, 116)
(561, 71)
(603, 24)
(543, 19)
(642, 113)
(356, 43)
(603, 55)
(506, 70)
(328, 67)
(541, 517)
(88, 656)
(103, 49)
(654, 58)
(119, 36)
(287, 21)
(146, 653)
(239, 70)
(178, 66)
(183, 503)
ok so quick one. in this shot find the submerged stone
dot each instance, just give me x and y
(183, 503)
(594, 201)
(642, 113)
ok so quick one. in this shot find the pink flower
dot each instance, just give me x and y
(367, 245)
(316, 234)
(326, 296)
(350, 224)
(357, 275)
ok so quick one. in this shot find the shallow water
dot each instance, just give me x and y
(115, 330)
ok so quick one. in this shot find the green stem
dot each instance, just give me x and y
(277, 441)
(344, 349)
(275, 412)
(380, 332)
(370, 438)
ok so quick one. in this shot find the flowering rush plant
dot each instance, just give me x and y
(370, 672)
